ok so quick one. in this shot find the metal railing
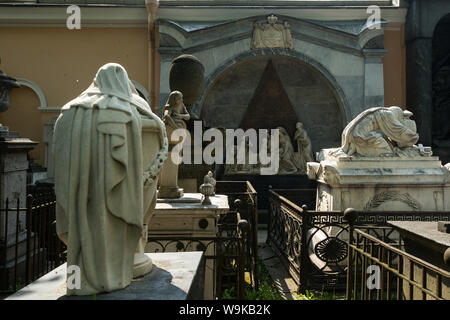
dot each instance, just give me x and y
(226, 252)
(393, 275)
(29, 246)
(248, 209)
(313, 245)
(39, 250)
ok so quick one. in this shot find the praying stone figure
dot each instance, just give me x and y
(380, 131)
(174, 116)
(288, 161)
(304, 154)
(212, 181)
(175, 112)
(108, 150)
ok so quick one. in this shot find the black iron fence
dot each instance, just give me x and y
(313, 245)
(29, 246)
(381, 271)
(32, 247)
(225, 254)
(247, 205)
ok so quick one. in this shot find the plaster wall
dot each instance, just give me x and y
(62, 63)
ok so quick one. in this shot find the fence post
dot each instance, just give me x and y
(29, 204)
(242, 233)
(6, 243)
(350, 216)
(269, 214)
(303, 249)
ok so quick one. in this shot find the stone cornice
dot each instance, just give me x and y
(191, 39)
(56, 15)
(279, 3)
(117, 15)
(392, 14)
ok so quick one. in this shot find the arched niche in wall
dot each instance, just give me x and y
(441, 82)
(143, 92)
(314, 100)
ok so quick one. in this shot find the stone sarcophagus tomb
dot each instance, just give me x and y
(380, 167)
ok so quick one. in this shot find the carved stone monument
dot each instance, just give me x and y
(174, 116)
(108, 150)
(290, 162)
(272, 34)
(379, 167)
(13, 187)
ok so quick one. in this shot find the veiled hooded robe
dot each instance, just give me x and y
(99, 181)
(288, 161)
(366, 134)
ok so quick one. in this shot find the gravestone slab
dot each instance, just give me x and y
(424, 240)
(175, 276)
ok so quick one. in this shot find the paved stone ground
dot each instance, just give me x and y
(281, 278)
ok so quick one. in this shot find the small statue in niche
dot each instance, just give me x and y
(175, 112)
(288, 161)
(174, 115)
(380, 131)
(304, 147)
(212, 181)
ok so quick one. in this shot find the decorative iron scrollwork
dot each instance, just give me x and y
(331, 250)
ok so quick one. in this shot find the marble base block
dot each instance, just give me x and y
(174, 276)
(383, 184)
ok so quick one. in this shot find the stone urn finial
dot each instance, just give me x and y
(6, 84)
(207, 189)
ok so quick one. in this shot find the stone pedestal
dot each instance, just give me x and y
(168, 180)
(424, 241)
(175, 276)
(13, 189)
(13, 168)
(186, 217)
(418, 183)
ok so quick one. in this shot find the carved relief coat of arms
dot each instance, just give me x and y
(271, 34)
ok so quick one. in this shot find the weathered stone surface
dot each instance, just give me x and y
(424, 241)
(174, 277)
(188, 217)
(310, 96)
(374, 183)
(108, 150)
(337, 55)
(381, 132)
(443, 227)
(272, 34)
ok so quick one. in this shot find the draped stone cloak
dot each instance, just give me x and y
(366, 134)
(99, 182)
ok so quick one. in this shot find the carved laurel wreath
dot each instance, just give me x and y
(385, 196)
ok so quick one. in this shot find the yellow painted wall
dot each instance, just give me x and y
(62, 63)
(394, 68)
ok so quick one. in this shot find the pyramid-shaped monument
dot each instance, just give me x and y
(270, 106)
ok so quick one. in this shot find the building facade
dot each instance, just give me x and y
(329, 59)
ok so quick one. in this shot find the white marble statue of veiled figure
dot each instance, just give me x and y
(288, 160)
(304, 153)
(379, 131)
(108, 150)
